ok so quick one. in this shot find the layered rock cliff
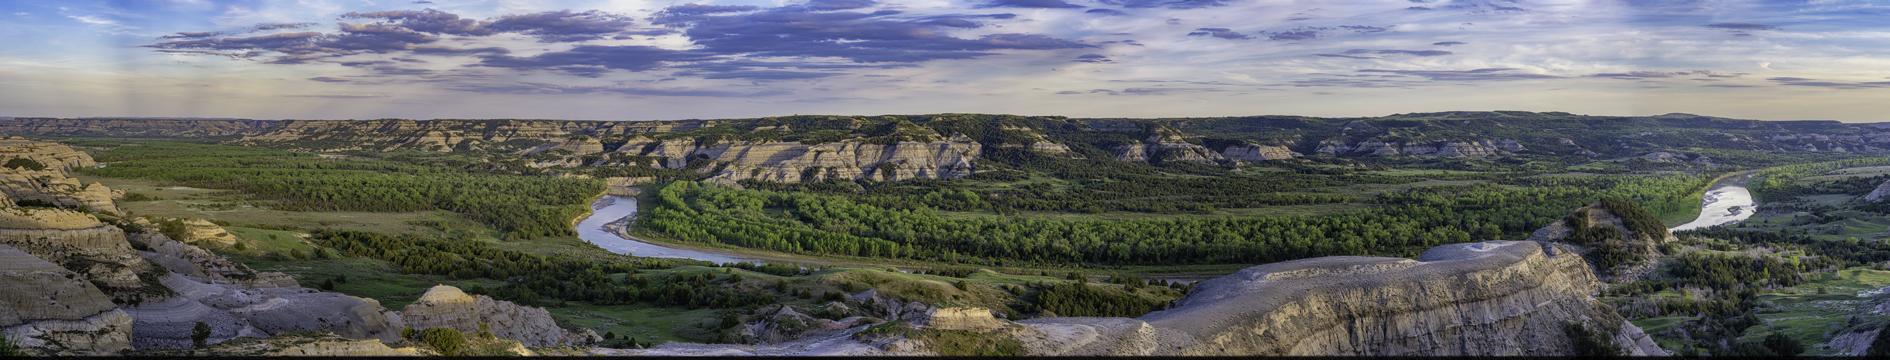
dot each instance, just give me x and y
(52, 311)
(448, 307)
(1491, 298)
(78, 242)
(52, 184)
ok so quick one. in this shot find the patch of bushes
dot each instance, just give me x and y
(446, 341)
(25, 163)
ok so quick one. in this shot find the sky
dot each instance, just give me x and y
(707, 59)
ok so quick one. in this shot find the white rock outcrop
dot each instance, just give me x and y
(1882, 191)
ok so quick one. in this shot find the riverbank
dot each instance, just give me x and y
(1726, 201)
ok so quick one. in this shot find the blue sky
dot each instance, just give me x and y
(682, 59)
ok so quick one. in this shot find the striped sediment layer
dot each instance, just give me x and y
(52, 311)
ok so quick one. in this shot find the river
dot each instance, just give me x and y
(617, 207)
(1716, 206)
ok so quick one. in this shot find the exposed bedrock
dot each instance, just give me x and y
(1484, 147)
(52, 311)
(1490, 298)
(53, 183)
(203, 266)
(76, 241)
(794, 161)
(1511, 298)
(449, 307)
(233, 310)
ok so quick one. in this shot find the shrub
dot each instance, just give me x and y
(10, 347)
(1783, 345)
(447, 341)
(1591, 342)
(25, 163)
(199, 334)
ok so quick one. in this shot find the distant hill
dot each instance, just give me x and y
(946, 145)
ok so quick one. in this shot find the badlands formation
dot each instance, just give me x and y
(1504, 298)
(78, 286)
(449, 307)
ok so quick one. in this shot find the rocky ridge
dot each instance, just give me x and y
(794, 161)
(1481, 147)
(449, 307)
(133, 127)
(79, 243)
(51, 185)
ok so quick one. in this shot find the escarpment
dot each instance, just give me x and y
(52, 311)
(1492, 298)
(78, 242)
(133, 127)
(794, 161)
(449, 307)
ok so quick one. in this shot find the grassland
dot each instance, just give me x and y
(1810, 317)
(1846, 173)
(224, 205)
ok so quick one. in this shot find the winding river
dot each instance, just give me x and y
(618, 207)
(1716, 206)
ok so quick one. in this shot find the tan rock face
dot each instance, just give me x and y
(204, 231)
(449, 307)
(962, 318)
(53, 311)
(794, 162)
(51, 185)
(54, 219)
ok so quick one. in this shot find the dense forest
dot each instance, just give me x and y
(1407, 221)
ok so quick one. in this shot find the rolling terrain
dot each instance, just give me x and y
(960, 234)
